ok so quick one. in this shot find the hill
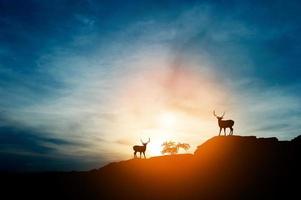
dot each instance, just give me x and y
(225, 167)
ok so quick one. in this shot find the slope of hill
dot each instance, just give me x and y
(231, 167)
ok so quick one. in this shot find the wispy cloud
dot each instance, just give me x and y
(102, 78)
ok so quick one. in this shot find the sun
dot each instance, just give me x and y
(165, 131)
(167, 120)
(154, 147)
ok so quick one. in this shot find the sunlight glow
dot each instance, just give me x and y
(157, 140)
(167, 120)
(165, 105)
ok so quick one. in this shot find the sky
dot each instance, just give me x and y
(81, 82)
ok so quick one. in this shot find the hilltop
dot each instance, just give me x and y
(225, 167)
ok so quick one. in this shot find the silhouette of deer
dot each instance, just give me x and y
(140, 149)
(223, 124)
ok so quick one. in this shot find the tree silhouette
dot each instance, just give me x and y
(184, 146)
(170, 147)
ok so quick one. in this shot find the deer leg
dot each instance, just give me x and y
(140, 154)
(220, 129)
(135, 154)
(144, 154)
(231, 132)
(225, 131)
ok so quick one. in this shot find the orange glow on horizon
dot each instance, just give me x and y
(168, 104)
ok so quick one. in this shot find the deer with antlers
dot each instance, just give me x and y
(223, 124)
(140, 149)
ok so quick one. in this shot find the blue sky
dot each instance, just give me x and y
(82, 81)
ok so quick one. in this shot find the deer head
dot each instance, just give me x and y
(145, 143)
(219, 117)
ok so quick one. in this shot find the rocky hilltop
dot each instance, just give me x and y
(224, 167)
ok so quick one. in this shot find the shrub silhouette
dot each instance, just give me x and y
(170, 147)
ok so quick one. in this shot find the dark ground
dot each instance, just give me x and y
(226, 167)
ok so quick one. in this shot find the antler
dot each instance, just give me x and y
(214, 113)
(223, 114)
(145, 142)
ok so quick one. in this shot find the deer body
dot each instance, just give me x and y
(223, 124)
(140, 149)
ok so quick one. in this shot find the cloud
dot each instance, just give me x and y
(27, 150)
(69, 79)
(268, 111)
(123, 142)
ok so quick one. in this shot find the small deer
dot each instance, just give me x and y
(140, 149)
(223, 124)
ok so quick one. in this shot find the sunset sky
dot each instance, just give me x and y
(81, 82)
